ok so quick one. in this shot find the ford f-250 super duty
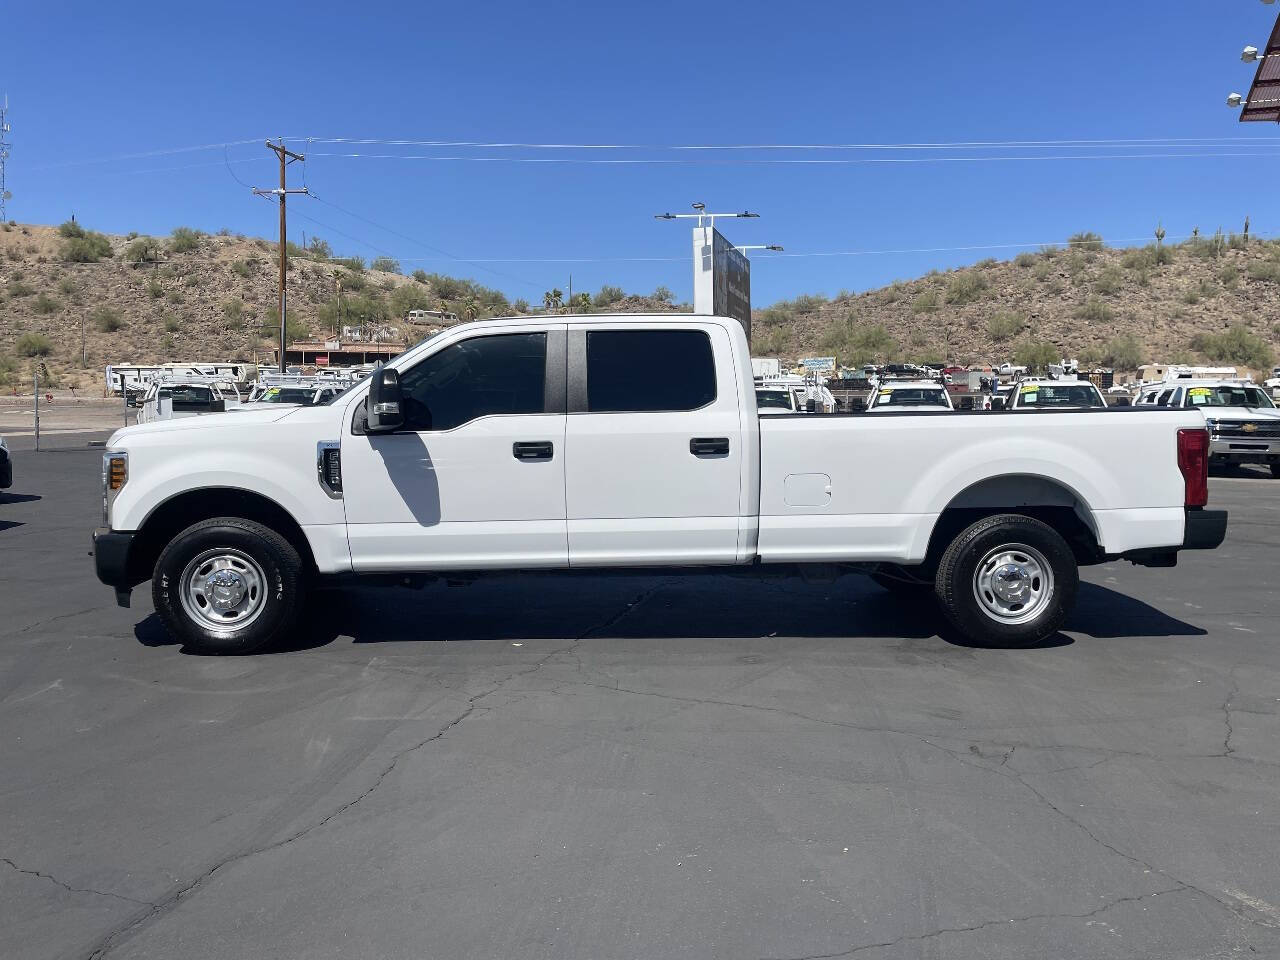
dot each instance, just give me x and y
(547, 443)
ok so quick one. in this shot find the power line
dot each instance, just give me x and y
(941, 145)
(789, 161)
(146, 154)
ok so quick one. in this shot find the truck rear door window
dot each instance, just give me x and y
(649, 370)
(481, 377)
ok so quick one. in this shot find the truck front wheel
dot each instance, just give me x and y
(228, 586)
(1007, 581)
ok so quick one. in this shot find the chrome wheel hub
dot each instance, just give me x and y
(223, 590)
(1013, 583)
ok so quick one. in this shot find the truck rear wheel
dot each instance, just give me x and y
(1275, 468)
(228, 586)
(1007, 581)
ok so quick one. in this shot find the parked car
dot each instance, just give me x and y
(1064, 393)
(1243, 422)
(545, 443)
(771, 401)
(6, 466)
(891, 396)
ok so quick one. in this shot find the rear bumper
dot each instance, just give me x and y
(111, 561)
(1204, 530)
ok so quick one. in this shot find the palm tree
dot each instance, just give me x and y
(553, 299)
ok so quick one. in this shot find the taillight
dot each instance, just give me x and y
(1193, 461)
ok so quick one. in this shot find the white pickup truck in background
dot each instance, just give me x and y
(546, 443)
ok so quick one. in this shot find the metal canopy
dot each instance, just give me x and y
(1263, 103)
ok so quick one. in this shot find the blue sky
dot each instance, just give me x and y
(91, 81)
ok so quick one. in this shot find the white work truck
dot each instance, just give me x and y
(546, 443)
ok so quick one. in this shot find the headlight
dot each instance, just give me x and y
(115, 474)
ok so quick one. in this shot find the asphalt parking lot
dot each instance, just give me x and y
(638, 767)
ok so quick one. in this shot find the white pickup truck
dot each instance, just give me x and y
(546, 443)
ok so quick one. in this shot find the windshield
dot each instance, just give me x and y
(1227, 395)
(913, 397)
(773, 398)
(1060, 395)
(301, 395)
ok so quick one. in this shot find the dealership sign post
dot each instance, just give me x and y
(721, 278)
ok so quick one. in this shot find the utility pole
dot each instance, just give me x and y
(286, 157)
(4, 155)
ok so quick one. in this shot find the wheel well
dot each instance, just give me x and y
(1038, 497)
(181, 511)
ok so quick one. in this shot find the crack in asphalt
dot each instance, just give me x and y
(66, 886)
(1001, 770)
(914, 938)
(112, 939)
(1227, 749)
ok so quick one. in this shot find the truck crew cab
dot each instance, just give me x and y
(545, 443)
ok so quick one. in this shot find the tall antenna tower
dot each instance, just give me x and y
(4, 155)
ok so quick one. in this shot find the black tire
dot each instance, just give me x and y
(1275, 468)
(957, 586)
(253, 555)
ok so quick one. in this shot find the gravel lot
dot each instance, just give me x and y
(638, 767)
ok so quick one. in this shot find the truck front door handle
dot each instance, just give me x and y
(538, 450)
(709, 446)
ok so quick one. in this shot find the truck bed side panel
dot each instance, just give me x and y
(891, 476)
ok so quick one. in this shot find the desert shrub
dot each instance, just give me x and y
(385, 264)
(1237, 241)
(243, 268)
(1085, 240)
(410, 296)
(171, 325)
(1207, 248)
(320, 249)
(8, 371)
(154, 288)
(986, 263)
(1094, 310)
(107, 320)
(16, 289)
(352, 281)
(1238, 345)
(926, 302)
(175, 296)
(1161, 254)
(67, 287)
(1036, 355)
(1123, 353)
(351, 263)
(608, 295)
(1025, 260)
(142, 250)
(44, 304)
(88, 247)
(70, 230)
(421, 276)
(1266, 270)
(966, 288)
(33, 345)
(1004, 326)
(1042, 270)
(184, 240)
(663, 294)
(1109, 281)
(1229, 274)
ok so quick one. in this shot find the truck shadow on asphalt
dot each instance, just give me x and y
(642, 607)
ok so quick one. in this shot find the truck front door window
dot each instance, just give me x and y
(484, 376)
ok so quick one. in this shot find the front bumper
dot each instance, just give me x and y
(1243, 450)
(111, 561)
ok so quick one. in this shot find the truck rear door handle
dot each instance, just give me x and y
(538, 450)
(709, 446)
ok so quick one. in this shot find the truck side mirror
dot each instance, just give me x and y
(811, 405)
(386, 402)
(997, 403)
